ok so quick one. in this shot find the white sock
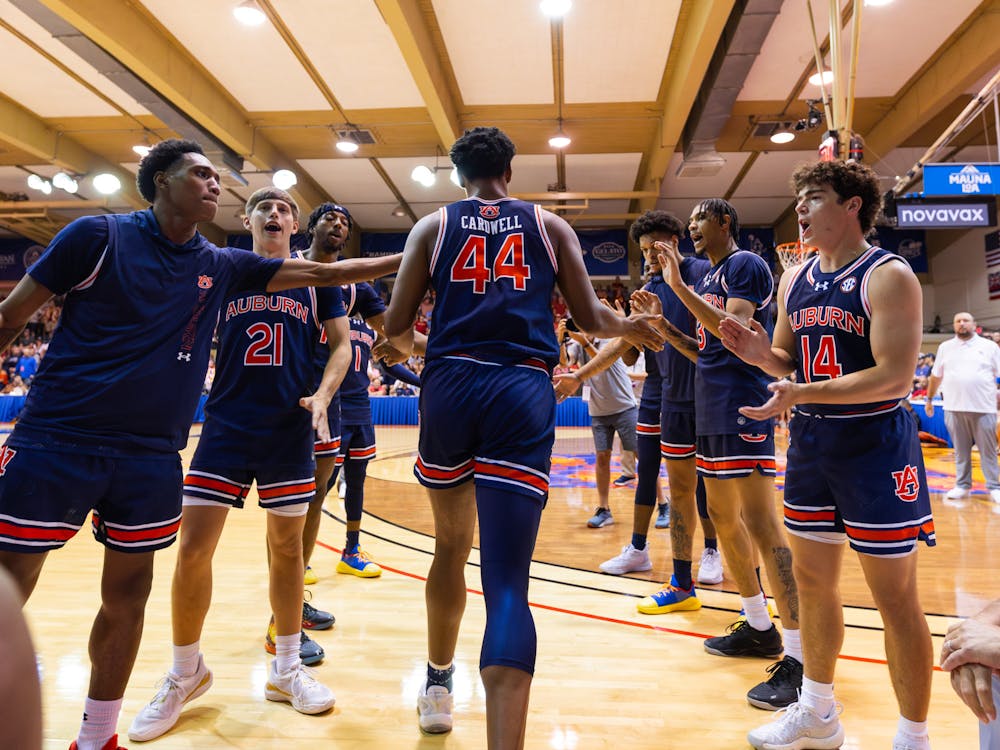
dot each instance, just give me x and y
(755, 608)
(186, 659)
(817, 696)
(100, 720)
(913, 732)
(286, 652)
(793, 643)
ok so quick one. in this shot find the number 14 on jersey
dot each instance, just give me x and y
(470, 263)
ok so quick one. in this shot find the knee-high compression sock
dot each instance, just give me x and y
(701, 497)
(648, 470)
(508, 525)
(354, 498)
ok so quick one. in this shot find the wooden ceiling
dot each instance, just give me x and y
(626, 76)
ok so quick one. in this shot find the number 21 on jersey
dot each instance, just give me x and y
(267, 345)
(470, 263)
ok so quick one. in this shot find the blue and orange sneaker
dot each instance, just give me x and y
(671, 598)
(357, 563)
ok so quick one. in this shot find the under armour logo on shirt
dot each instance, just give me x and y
(186, 356)
(822, 286)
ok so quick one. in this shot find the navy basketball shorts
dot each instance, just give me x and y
(357, 442)
(329, 447)
(45, 496)
(862, 479)
(284, 490)
(736, 456)
(494, 424)
(677, 438)
(647, 426)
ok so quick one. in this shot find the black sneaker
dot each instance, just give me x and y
(781, 689)
(743, 640)
(316, 619)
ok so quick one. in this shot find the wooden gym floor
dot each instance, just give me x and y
(607, 677)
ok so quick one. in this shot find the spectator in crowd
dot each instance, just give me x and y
(966, 370)
(27, 365)
(377, 388)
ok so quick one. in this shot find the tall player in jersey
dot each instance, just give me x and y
(735, 455)
(143, 293)
(849, 327)
(259, 422)
(488, 411)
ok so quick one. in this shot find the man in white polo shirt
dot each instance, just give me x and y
(966, 369)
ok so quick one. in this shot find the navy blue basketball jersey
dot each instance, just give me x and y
(677, 370)
(359, 300)
(355, 408)
(266, 342)
(830, 316)
(652, 386)
(493, 269)
(126, 365)
(724, 382)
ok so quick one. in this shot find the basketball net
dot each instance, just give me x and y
(792, 253)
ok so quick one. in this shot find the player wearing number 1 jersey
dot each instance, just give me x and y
(488, 411)
(258, 427)
(849, 326)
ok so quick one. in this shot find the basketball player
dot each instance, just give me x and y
(259, 422)
(488, 411)
(329, 230)
(735, 455)
(849, 327)
(666, 430)
(98, 430)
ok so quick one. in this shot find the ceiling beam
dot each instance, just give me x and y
(593, 195)
(146, 48)
(409, 27)
(699, 27)
(28, 132)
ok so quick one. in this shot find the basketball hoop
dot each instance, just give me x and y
(792, 253)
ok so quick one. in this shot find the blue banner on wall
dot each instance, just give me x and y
(962, 179)
(375, 245)
(909, 243)
(605, 252)
(16, 255)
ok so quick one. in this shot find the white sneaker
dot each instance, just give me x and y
(161, 713)
(798, 728)
(710, 567)
(434, 706)
(956, 493)
(628, 560)
(299, 687)
(995, 496)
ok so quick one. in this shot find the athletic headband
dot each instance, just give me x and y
(328, 207)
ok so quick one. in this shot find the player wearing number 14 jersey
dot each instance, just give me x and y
(487, 411)
(849, 326)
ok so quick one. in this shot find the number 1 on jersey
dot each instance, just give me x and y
(470, 263)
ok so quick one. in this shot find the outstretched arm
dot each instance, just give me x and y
(296, 272)
(16, 310)
(411, 283)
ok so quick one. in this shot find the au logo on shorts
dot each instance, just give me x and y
(907, 483)
(6, 454)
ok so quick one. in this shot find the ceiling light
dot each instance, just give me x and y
(284, 179)
(35, 182)
(560, 139)
(423, 175)
(399, 211)
(827, 77)
(555, 8)
(249, 13)
(454, 177)
(64, 182)
(783, 136)
(347, 144)
(877, 3)
(142, 149)
(106, 183)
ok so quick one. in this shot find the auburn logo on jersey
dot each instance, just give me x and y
(489, 212)
(6, 454)
(204, 282)
(907, 483)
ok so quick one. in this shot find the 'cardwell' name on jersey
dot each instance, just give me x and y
(273, 302)
(834, 317)
(499, 226)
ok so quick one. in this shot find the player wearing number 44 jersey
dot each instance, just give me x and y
(849, 327)
(487, 411)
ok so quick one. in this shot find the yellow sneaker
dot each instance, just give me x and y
(357, 563)
(671, 598)
(310, 578)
